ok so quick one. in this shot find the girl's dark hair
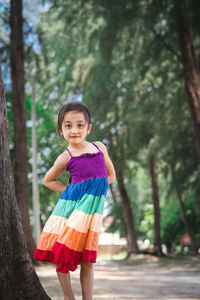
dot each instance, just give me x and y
(73, 106)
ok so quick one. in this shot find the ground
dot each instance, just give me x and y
(141, 277)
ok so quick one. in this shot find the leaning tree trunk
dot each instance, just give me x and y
(18, 280)
(113, 194)
(190, 70)
(19, 120)
(132, 246)
(155, 198)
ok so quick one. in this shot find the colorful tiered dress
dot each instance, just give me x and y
(70, 235)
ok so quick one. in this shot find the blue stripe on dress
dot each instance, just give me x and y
(95, 186)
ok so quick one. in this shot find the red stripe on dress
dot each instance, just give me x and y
(65, 254)
(66, 259)
(44, 255)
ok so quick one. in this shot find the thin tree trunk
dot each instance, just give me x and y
(19, 120)
(36, 200)
(156, 205)
(18, 280)
(132, 246)
(187, 226)
(113, 194)
(190, 70)
(184, 216)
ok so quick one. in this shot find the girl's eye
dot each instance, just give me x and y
(69, 126)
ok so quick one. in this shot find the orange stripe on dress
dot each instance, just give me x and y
(92, 241)
(47, 241)
(78, 241)
(73, 239)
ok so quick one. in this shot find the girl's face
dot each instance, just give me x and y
(75, 127)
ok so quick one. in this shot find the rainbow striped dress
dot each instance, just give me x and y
(70, 235)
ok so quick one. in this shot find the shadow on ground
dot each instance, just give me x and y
(136, 278)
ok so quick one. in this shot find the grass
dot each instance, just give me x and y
(186, 261)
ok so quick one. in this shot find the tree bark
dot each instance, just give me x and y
(156, 205)
(132, 246)
(19, 120)
(190, 70)
(18, 279)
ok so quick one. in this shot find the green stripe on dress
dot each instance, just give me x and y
(88, 204)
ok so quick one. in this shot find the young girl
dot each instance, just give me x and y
(70, 236)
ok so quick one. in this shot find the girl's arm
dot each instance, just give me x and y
(109, 165)
(50, 179)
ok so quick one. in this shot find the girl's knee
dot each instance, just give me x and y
(86, 265)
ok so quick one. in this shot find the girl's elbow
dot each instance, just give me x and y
(111, 179)
(113, 176)
(45, 182)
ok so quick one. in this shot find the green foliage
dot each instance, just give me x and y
(172, 226)
(116, 210)
(147, 223)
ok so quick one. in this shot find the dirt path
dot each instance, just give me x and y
(114, 281)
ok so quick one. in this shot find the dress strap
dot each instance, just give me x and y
(95, 146)
(69, 152)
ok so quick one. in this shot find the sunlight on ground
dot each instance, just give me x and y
(130, 280)
(116, 257)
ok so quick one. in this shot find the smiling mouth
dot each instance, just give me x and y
(74, 136)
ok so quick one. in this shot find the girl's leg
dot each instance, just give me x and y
(66, 285)
(87, 279)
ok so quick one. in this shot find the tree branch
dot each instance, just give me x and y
(167, 46)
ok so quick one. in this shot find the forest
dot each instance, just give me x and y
(135, 64)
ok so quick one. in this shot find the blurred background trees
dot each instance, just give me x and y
(136, 65)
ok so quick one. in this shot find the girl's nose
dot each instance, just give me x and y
(74, 129)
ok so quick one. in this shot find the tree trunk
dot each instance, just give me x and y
(18, 280)
(19, 120)
(36, 200)
(132, 246)
(190, 70)
(187, 226)
(155, 198)
(113, 194)
(184, 216)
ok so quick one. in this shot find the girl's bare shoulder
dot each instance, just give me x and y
(63, 158)
(101, 146)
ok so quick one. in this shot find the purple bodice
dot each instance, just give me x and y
(87, 166)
